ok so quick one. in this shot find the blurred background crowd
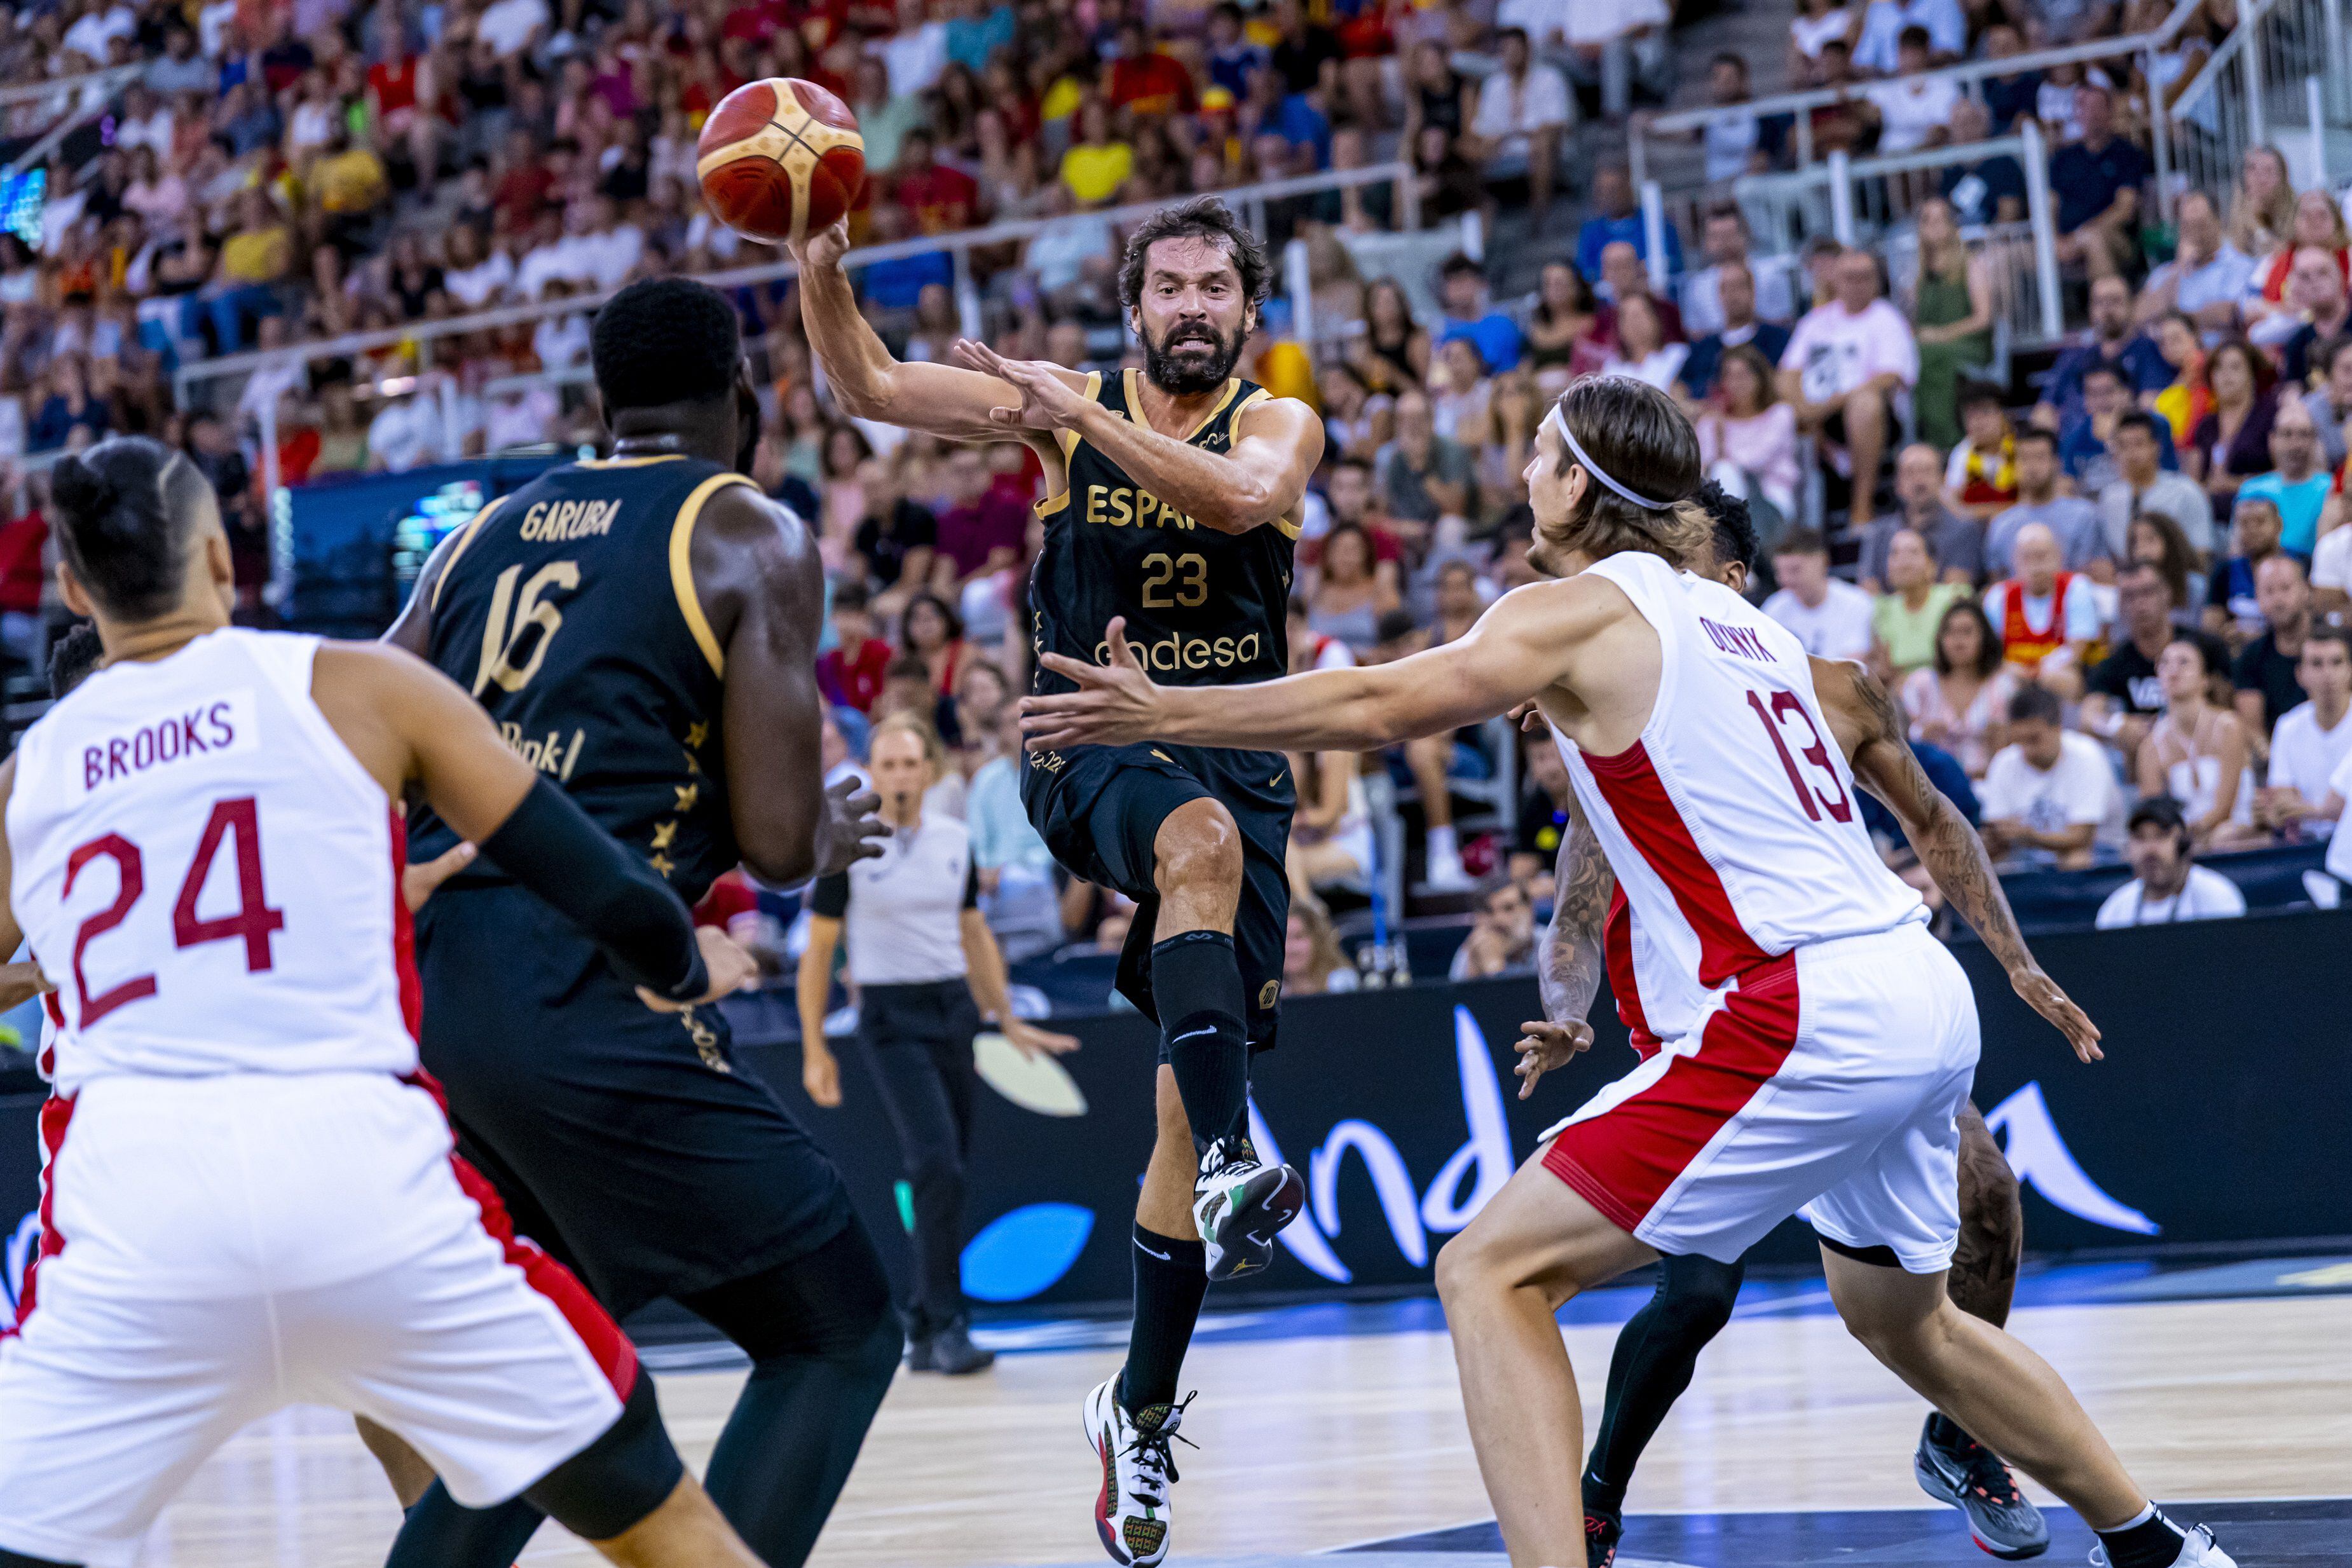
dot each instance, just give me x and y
(310, 239)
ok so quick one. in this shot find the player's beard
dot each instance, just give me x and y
(1179, 363)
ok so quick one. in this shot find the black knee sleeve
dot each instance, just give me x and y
(825, 1304)
(1695, 1296)
(18, 1560)
(1197, 982)
(609, 1488)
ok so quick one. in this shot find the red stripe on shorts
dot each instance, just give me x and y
(1622, 1160)
(57, 1111)
(1629, 781)
(608, 1345)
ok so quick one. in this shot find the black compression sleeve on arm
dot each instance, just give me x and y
(549, 845)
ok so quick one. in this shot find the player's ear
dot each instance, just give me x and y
(76, 597)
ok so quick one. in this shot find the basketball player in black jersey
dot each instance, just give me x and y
(1172, 499)
(643, 629)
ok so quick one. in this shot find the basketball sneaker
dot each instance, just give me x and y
(1240, 1205)
(1602, 1533)
(1971, 1478)
(1138, 1466)
(2200, 1551)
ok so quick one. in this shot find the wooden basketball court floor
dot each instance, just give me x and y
(1324, 1428)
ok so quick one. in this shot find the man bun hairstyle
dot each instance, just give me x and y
(1204, 217)
(664, 340)
(125, 508)
(1633, 433)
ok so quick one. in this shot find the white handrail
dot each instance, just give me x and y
(24, 92)
(1243, 198)
(2206, 82)
(1964, 72)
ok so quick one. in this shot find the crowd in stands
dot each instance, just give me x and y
(2118, 582)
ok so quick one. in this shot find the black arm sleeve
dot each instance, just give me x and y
(972, 884)
(549, 845)
(829, 896)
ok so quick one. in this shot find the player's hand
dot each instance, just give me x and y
(848, 829)
(1544, 1045)
(1529, 717)
(20, 983)
(2042, 995)
(1030, 1041)
(824, 249)
(1115, 704)
(731, 969)
(1047, 402)
(418, 881)
(820, 1074)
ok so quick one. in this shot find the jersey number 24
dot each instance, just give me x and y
(254, 922)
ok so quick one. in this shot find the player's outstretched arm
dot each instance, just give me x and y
(762, 590)
(1524, 645)
(1276, 444)
(405, 721)
(866, 381)
(1877, 742)
(1568, 969)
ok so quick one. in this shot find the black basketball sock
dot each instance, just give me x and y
(1656, 1352)
(2151, 1541)
(1170, 1277)
(441, 1532)
(1197, 984)
(1945, 1433)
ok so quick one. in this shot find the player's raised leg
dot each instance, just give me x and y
(1502, 1279)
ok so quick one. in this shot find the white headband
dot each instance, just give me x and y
(1584, 460)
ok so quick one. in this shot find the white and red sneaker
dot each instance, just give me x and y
(1138, 1468)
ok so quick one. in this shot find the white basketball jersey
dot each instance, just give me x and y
(1732, 823)
(207, 874)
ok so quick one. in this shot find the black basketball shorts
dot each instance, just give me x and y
(1100, 808)
(627, 1142)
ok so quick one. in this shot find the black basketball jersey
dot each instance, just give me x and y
(568, 609)
(1203, 608)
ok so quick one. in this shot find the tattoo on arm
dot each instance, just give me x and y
(1950, 850)
(1569, 972)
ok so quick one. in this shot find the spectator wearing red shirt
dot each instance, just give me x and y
(22, 540)
(851, 672)
(936, 198)
(524, 185)
(1142, 80)
(400, 95)
(983, 531)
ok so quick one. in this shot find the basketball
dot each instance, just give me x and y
(780, 159)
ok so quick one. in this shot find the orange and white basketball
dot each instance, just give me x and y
(780, 159)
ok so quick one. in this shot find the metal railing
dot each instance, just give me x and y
(75, 100)
(1967, 74)
(1872, 200)
(1251, 201)
(2282, 78)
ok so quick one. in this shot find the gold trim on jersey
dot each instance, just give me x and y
(681, 567)
(458, 548)
(1068, 439)
(632, 462)
(1290, 525)
(1135, 404)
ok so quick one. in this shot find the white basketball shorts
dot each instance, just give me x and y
(227, 1246)
(1828, 1080)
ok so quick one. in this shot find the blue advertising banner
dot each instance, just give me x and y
(2221, 1115)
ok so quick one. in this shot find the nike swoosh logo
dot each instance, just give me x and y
(1279, 777)
(1164, 1256)
(1194, 1035)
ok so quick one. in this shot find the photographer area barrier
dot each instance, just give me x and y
(2221, 1115)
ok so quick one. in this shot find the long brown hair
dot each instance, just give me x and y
(1637, 434)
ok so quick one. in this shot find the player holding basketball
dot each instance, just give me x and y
(1173, 502)
(1592, 930)
(1822, 1042)
(250, 1199)
(643, 629)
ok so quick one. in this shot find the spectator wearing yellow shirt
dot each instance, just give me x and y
(1097, 164)
(349, 184)
(243, 289)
